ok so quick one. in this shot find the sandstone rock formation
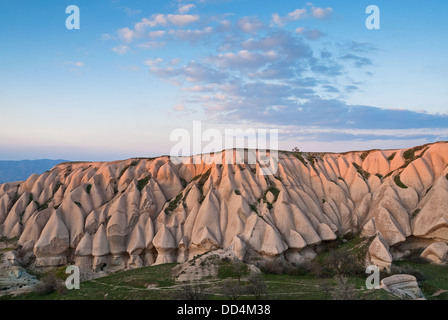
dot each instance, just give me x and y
(127, 214)
(403, 286)
(437, 252)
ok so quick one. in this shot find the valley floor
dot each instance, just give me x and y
(157, 283)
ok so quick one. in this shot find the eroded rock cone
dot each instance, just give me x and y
(127, 214)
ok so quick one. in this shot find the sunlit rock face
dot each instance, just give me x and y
(137, 212)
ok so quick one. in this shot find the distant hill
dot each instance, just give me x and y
(20, 170)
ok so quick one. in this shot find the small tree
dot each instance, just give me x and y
(343, 289)
(341, 263)
(190, 292)
(48, 284)
(239, 269)
(325, 287)
(257, 286)
(232, 289)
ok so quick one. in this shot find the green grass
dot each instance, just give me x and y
(436, 278)
(142, 183)
(133, 284)
(58, 185)
(173, 204)
(202, 180)
(364, 155)
(409, 154)
(124, 285)
(415, 213)
(253, 207)
(299, 156)
(132, 164)
(392, 156)
(399, 183)
(361, 171)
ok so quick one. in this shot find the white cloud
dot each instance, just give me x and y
(77, 64)
(310, 34)
(244, 59)
(277, 20)
(184, 8)
(297, 14)
(121, 49)
(156, 34)
(179, 107)
(249, 25)
(191, 35)
(181, 20)
(175, 62)
(126, 34)
(152, 45)
(321, 13)
(153, 61)
(300, 14)
(131, 12)
(106, 37)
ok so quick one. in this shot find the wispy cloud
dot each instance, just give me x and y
(302, 13)
(131, 12)
(185, 8)
(310, 34)
(253, 72)
(121, 49)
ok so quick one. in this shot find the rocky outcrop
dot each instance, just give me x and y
(127, 214)
(436, 252)
(379, 253)
(403, 286)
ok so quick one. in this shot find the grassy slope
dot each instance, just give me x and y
(133, 284)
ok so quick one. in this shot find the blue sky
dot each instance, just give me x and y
(136, 70)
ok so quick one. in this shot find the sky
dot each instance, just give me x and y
(136, 70)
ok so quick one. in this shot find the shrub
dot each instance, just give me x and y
(343, 289)
(399, 183)
(365, 154)
(296, 270)
(273, 266)
(237, 192)
(299, 156)
(315, 268)
(361, 171)
(88, 188)
(190, 292)
(253, 208)
(409, 154)
(48, 284)
(173, 204)
(325, 287)
(407, 269)
(342, 262)
(392, 156)
(232, 289)
(142, 183)
(257, 286)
